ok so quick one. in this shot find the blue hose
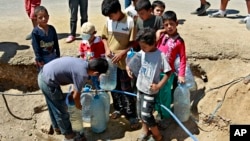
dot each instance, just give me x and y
(179, 122)
(123, 92)
(172, 114)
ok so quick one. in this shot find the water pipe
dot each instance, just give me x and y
(179, 122)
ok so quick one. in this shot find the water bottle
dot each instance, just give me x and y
(189, 78)
(75, 114)
(133, 61)
(98, 119)
(108, 80)
(182, 102)
(248, 24)
(86, 98)
(104, 96)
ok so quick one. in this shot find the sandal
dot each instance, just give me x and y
(115, 115)
(70, 39)
(134, 124)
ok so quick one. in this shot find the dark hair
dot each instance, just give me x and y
(40, 8)
(143, 5)
(169, 15)
(158, 3)
(110, 6)
(98, 64)
(146, 35)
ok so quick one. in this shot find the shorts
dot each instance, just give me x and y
(30, 6)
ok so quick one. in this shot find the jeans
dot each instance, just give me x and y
(57, 107)
(73, 6)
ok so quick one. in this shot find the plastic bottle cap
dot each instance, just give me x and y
(130, 53)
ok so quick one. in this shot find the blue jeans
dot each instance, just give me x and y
(57, 107)
(73, 7)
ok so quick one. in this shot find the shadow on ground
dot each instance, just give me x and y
(9, 50)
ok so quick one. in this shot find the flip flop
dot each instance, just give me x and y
(115, 115)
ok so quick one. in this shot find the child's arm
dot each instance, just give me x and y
(155, 87)
(56, 44)
(37, 50)
(106, 47)
(183, 60)
(158, 34)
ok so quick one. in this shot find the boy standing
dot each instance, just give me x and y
(148, 83)
(44, 38)
(91, 47)
(146, 18)
(64, 71)
(158, 7)
(118, 34)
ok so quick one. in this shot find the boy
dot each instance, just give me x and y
(171, 43)
(64, 71)
(146, 18)
(158, 7)
(91, 47)
(30, 6)
(118, 34)
(148, 81)
(44, 38)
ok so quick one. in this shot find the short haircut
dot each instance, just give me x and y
(169, 15)
(146, 35)
(98, 64)
(110, 7)
(143, 5)
(158, 3)
(40, 8)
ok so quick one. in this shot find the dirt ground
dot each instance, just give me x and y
(218, 46)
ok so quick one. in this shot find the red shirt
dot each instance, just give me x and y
(172, 48)
(94, 50)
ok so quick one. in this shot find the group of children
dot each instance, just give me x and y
(144, 27)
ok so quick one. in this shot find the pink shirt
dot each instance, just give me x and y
(173, 47)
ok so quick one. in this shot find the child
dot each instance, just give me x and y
(118, 33)
(171, 44)
(30, 6)
(146, 18)
(158, 7)
(91, 47)
(65, 71)
(44, 38)
(148, 81)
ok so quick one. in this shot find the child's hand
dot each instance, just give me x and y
(181, 79)
(117, 57)
(130, 74)
(40, 64)
(154, 87)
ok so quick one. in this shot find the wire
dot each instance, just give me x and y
(6, 104)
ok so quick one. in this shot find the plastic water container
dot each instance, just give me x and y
(248, 24)
(104, 96)
(86, 98)
(133, 61)
(75, 114)
(182, 102)
(98, 117)
(189, 78)
(108, 80)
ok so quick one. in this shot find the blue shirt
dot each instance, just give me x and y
(64, 71)
(45, 44)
